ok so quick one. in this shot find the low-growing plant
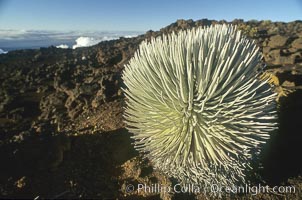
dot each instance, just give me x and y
(196, 105)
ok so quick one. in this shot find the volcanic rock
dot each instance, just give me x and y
(277, 41)
(297, 44)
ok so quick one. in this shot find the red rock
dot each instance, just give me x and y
(297, 43)
(277, 41)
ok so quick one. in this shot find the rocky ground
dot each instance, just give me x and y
(61, 127)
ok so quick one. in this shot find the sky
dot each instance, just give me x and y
(136, 15)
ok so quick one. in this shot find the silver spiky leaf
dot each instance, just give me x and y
(196, 105)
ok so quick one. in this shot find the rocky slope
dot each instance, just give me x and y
(61, 127)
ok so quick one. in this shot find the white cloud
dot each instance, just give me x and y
(85, 42)
(2, 52)
(63, 46)
(90, 41)
(129, 36)
(12, 34)
(22, 39)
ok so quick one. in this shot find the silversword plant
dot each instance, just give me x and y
(196, 105)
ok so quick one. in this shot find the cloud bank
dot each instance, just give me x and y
(90, 41)
(2, 52)
(33, 39)
(11, 34)
(85, 42)
(63, 46)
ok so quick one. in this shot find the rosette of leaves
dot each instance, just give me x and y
(196, 105)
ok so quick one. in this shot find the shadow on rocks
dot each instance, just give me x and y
(84, 166)
(282, 153)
